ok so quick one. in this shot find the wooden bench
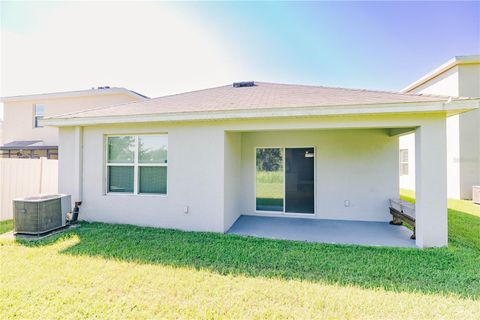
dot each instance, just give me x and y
(403, 212)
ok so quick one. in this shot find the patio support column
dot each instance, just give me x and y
(431, 184)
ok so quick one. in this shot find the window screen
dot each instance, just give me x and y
(120, 179)
(153, 180)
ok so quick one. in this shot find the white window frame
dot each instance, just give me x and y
(135, 164)
(37, 117)
(402, 163)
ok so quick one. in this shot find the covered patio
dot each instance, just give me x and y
(324, 231)
(333, 185)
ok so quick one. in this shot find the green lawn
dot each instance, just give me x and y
(6, 226)
(119, 271)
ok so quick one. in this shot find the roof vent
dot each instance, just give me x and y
(243, 84)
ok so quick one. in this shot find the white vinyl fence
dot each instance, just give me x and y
(25, 177)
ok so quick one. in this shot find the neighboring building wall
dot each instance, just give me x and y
(463, 131)
(19, 115)
(445, 84)
(469, 132)
(407, 142)
(453, 157)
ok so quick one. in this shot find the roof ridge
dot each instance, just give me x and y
(180, 93)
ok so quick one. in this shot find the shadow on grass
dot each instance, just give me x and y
(436, 271)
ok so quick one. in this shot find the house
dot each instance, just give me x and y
(199, 160)
(459, 77)
(24, 137)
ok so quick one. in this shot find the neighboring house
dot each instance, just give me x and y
(199, 160)
(459, 77)
(24, 137)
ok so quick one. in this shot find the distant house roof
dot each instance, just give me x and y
(25, 144)
(227, 102)
(79, 93)
(455, 61)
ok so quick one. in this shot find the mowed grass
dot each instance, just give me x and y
(119, 271)
(6, 226)
(463, 221)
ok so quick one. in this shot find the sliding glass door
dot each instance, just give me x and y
(269, 179)
(299, 180)
(284, 180)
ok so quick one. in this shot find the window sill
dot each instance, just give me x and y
(115, 194)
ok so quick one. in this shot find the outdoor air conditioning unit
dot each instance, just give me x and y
(476, 194)
(40, 214)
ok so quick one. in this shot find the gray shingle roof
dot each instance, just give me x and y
(261, 96)
(24, 143)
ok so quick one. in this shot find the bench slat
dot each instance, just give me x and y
(403, 206)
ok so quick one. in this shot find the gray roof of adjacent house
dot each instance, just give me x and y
(26, 144)
(79, 93)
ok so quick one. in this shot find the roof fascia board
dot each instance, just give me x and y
(450, 108)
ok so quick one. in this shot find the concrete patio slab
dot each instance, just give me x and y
(325, 231)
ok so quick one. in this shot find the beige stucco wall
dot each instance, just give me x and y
(19, 115)
(195, 179)
(211, 169)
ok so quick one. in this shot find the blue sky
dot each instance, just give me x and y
(163, 48)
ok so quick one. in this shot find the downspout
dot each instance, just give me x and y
(78, 171)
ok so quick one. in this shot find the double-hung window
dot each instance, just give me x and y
(137, 164)
(38, 114)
